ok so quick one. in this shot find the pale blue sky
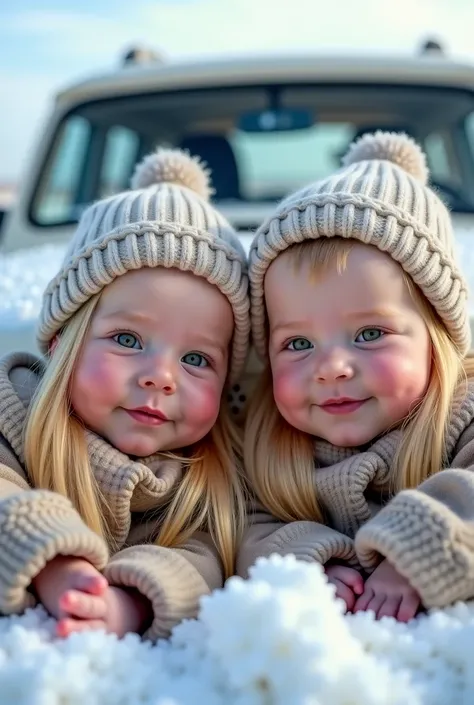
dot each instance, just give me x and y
(47, 44)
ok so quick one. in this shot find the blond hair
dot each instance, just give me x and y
(209, 497)
(279, 459)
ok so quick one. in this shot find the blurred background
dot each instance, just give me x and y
(268, 94)
(47, 44)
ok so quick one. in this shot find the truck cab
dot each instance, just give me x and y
(264, 126)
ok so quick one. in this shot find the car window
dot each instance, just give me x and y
(120, 155)
(469, 125)
(94, 151)
(272, 165)
(58, 193)
(443, 165)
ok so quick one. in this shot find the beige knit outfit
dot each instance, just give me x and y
(37, 525)
(166, 221)
(380, 198)
(427, 533)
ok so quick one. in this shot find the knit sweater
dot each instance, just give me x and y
(426, 533)
(37, 525)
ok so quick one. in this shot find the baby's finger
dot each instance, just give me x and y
(94, 583)
(363, 601)
(75, 603)
(352, 578)
(390, 607)
(408, 607)
(344, 593)
(376, 603)
(65, 627)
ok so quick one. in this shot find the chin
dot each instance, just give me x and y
(349, 440)
(136, 449)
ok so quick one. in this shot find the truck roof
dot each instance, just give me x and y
(253, 70)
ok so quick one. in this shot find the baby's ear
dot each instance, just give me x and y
(53, 344)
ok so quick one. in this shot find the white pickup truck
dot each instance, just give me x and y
(264, 126)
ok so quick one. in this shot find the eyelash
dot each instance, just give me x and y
(205, 357)
(382, 332)
(120, 331)
(287, 343)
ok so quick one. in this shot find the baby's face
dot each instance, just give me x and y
(350, 352)
(153, 366)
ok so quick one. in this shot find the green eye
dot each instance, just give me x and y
(195, 360)
(299, 344)
(127, 340)
(369, 335)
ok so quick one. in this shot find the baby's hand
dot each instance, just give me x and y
(348, 582)
(121, 611)
(66, 579)
(388, 594)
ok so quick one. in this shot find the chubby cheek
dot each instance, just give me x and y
(202, 404)
(96, 383)
(400, 378)
(290, 389)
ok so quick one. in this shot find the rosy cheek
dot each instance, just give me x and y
(287, 388)
(96, 373)
(383, 370)
(99, 375)
(206, 404)
(398, 376)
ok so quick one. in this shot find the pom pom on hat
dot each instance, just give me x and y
(173, 166)
(393, 147)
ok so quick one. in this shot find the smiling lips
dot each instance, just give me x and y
(148, 416)
(341, 405)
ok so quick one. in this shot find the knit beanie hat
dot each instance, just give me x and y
(165, 221)
(380, 198)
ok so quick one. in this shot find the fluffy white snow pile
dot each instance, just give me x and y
(279, 638)
(24, 276)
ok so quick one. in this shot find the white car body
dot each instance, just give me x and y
(30, 251)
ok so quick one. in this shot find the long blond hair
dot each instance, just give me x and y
(279, 459)
(210, 495)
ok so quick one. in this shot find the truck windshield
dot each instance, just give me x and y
(95, 147)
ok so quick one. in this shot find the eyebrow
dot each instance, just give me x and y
(211, 343)
(375, 313)
(354, 315)
(128, 316)
(297, 325)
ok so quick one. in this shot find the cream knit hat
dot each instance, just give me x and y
(379, 197)
(166, 221)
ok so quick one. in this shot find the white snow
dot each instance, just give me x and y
(23, 277)
(279, 638)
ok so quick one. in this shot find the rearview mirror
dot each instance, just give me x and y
(275, 120)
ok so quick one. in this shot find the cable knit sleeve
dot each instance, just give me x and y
(35, 526)
(307, 540)
(428, 533)
(173, 579)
